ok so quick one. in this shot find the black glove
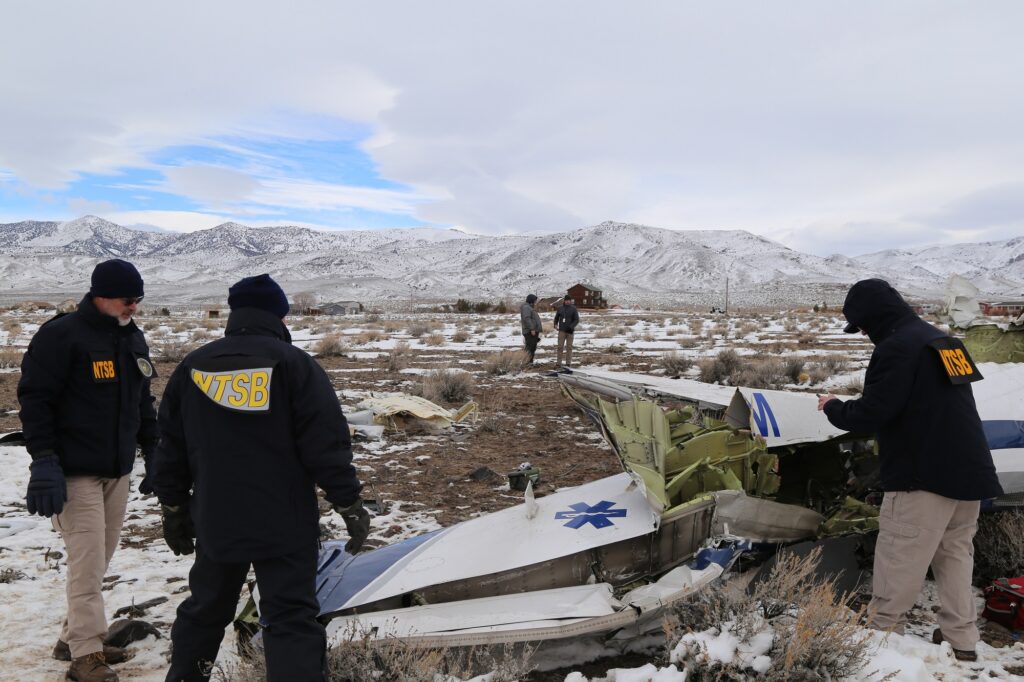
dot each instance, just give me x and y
(47, 489)
(357, 521)
(148, 455)
(178, 530)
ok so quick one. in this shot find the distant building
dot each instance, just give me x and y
(1011, 308)
(212, 313)
(341, 308)
(547, 304)
(587, 296)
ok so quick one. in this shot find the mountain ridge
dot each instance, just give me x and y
(631, 262)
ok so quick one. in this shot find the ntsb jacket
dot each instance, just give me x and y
(248, 424)
(84, 393)
(919, 404)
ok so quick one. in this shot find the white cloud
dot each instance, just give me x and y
(210, 185)
(830, 126)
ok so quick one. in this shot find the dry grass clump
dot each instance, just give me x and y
(434, 339)
(359, 658)
(720, 368)
(815, 636)
(369, 336)
(506, 362)
(460, 336)
(420, 327)
(999, 546)
(12, 327)
(616, 349)
(446, 385)
(10, 358)
(675, 364)
(175, 351)
(332, 345)
(688, 342)
(604, 332)
(398, 357)
(855, 387)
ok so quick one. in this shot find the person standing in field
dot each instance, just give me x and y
(566, 320)
(85, 408)
(934, 461)
(531, 326)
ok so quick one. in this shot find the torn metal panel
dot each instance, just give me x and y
(738, 514)
(410, 412)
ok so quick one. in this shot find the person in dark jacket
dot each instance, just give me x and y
(250, 424)
(934, 458)
(85, 408)
(566, 320)
(531, 324)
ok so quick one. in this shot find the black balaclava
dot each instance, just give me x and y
(874, 306)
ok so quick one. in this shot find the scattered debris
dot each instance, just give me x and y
(137, 610)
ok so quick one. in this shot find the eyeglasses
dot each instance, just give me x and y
(132, 300)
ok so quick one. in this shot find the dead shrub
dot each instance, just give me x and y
(398, 357)
(604, 333)
(12, 327)
(855, 387)
(360, 658)
(675, 364)
(434, 339)
(688, 342)
(616, 349)
(836, 364)
(421, 327)
(999, 546)
(793, 368)
(720, 368)
(10, 358)
(506, 362)
(816, 637)
(446, 385)
(369, 336)
(460, 336)
(176, 351)
(332, 345)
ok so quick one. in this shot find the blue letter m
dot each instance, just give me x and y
(763, 414)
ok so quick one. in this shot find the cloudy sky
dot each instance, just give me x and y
(840, 126)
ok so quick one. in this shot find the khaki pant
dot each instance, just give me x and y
(91, 527)
(916, 529)
(564, 340)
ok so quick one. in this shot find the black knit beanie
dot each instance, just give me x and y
(260, 292)
(116, 278)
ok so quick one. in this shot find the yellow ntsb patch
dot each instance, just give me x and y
(245, 390)
(956, 362)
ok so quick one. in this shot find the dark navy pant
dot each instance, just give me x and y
(293, 640)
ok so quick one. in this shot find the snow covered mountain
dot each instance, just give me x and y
(629, 262)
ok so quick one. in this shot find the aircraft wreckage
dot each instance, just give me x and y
(606, 558)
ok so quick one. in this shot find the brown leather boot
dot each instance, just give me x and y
(113, 654)
(958, 654)
(91, 668)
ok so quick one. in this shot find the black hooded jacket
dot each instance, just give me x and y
(249, 425)
(928, 429)
(84, 393)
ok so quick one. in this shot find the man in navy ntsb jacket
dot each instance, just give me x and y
(250, 426)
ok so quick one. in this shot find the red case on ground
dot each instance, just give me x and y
(1004, 602)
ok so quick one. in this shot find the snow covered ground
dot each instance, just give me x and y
(32, 601)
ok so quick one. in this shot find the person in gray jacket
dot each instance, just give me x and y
(566, 319)
(531, 325)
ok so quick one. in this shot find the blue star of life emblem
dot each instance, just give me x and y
(599, 515)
